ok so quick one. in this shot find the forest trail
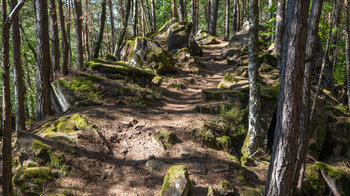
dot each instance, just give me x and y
(119, 166)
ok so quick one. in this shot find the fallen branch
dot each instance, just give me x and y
(331, 183)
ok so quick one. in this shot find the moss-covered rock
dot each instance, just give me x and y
(166, 138)
(144, 52)
(182, 55)
(249, 191)
(234, 96)
(157, 80)
(30, 181)
(177, 182)
(204, 137)
(341, 177)
(178, 35)
(225, 188)
(212, 192)
(224, 142)
(203, 38)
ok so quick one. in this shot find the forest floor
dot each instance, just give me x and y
(112, 161)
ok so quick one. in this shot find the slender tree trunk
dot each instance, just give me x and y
(280, 15)
(122, 14)
(227, 20)
(125, 25)
(6, 105)
(234, 19)
(243, 12)
(256, 138)
(134, 29)
(182, 10)
(214, 17)
(238, 16)
(270, 6)
(112, 22)
(107, 37)
(154, 24)
(143, 21)
(175, 15)
(43, 108)
(87, 29)
(55, 41)
(209, 14)
(65, 49)
(311, 52)
(68, 33)
(196, 15)
(194, 2)
(285, 148)
(18, 73)
(98, 41)
(347, 42)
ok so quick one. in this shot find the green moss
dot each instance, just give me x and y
(222, 86)
(313, 180)
(269, 92)
(76, 122)
(173, 173)
(157, 80)
(230, 78)
(25, 178)
(224, 142)
(166, 138)
(249, 191)
(82, 87)
(242, 179)
(79, 121)
(339, 110)
(205, 137)
(225, 185)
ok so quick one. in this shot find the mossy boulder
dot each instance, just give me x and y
(205, 137)
(177, 182)
(212, 192)
(157, 80)
(182, 55)
(235, 96)
(230, 81)
(31, 181)
(161, 35)
(145, 53)
(178, 35)
(166, 138)
(249, 191)
(203, 38)
(225, 189)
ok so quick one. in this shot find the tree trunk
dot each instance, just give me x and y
(311, 51)
(194, 30)
(270, 6)
(143, 19)
(68, 33)
(280, 16)
(347, 50)
(214, 17)
(65, 49)
(43, 107)
(6, 105)
(209, 14)
(227, 20)
(87, 32)
(234, 19)
(98, 41)
(175, 15)
(238, 16)
(18, 73)
(55, 41)
(125, 25)
(134, 29)
(182, 10)
(122, 14)
(112, 22)
(256, 138)
(154, 24)
(285, 148)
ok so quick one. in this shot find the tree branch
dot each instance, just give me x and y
(14, 12)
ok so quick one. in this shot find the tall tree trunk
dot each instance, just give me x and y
(285, 147)
(182, 10)
(87, 31)
(227, 20)
(122, 14)
(143, 16)
(6, 105)
(125, 25)
(112, 22)
(18, 72)
(194, 2)
(55, 41)
(98, 41)
(43, 108)
(238, 16)
(154, 23)
(209, 14)
(334, 53)
(311, 51)
(175, 15)
(196, 15)
(347, 52)
(234, 19)
(243, 12)
(68, 33)
(270, 6)
(108, 40)
(65, 49)
(280, 17)
(255, 136)
(214, 17)
(135, 10)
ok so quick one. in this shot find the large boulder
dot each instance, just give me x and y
(144, 52)
(178, 35)
(203, 38)
(177, 182)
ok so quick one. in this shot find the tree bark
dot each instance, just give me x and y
(125, 25)
(18, 73)
(43, 108)
(122, 14)
(182, 10)
(175, 15)
(280, 17)
(285, 148)
(256, 138)
(6, 105)
(311, 51)
(112, 22)
(227, 20)
(55, 41)
(98, 41)
(214, 17)
(68, 33)
(134, 29)
(347, 50)
(209, 14)
(65, 49)
(194, 30)
(143, 21)
(234, 19)
(154, 21)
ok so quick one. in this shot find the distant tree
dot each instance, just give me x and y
(182, 10)
(44, 61)
(347, 52)
(110, 5)
(209, 14)
(135, 11)
(55, 41)
(154, 21)
(227, 19)
(65, 48)
(213, 17)
(175, 15)
(280, 180)
(280, 17)
(143, 20)
(125, 26)
(98, 41)
(18, 72)
(87, 29)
